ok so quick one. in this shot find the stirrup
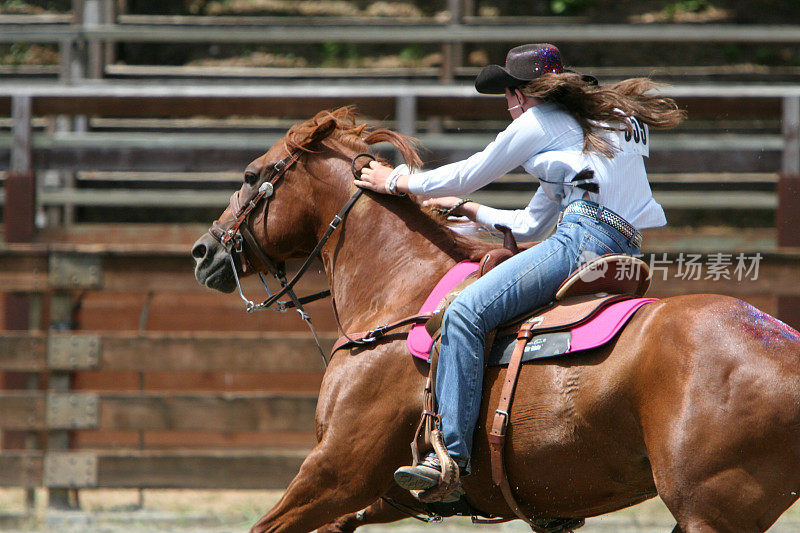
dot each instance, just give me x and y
(449, 479)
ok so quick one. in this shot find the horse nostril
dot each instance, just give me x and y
(199, 251)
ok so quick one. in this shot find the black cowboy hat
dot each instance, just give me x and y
(523, 64)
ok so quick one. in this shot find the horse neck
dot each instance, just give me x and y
(385, 259)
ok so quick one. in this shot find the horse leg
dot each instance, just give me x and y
(362, 442)
(329, 484)
(731, 501)
(380, 512)
(377, 513)
(721, 481)
(727, 487)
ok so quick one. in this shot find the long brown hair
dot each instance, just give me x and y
(593, 104)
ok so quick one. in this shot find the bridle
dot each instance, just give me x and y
(234, 237)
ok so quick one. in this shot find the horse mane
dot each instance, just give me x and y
(342, 124)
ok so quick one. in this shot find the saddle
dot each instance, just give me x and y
(587, 291)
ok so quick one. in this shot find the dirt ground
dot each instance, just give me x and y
(183, 511)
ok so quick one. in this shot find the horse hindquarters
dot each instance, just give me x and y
(719, 404)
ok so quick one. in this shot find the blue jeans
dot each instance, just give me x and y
(520, 284)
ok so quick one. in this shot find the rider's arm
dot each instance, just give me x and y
(523, 138)
(535, 222)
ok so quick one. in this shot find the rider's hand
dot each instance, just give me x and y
(442, 203)
(446, 203)
(373, 177)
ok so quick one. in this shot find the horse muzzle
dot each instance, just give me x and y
(212, 267)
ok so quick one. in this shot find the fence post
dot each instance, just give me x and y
(788, 213)
(20, 204)
(73, 70)
(93, 15)
(406, 117)
(452, 52)
(406, 111)
(468, 9)
(21, 185)
(110, 10)
(60, 381)
(791, 133)
(20, 209)
(21, 150)
(66, 48)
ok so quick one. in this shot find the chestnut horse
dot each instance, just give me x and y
(696, 400)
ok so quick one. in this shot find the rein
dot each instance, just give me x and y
(234, 237)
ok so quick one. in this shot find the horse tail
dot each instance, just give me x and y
(405, 144)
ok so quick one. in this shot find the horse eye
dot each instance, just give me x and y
(250, 178)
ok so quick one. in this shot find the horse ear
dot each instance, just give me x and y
(324, 128)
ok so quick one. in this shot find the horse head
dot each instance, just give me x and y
(288, 197)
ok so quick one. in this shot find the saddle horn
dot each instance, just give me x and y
(509, 242)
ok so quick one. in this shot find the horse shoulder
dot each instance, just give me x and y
(379, 387)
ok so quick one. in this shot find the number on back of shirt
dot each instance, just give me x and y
(637, 133)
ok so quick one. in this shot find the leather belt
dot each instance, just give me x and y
(603, 214)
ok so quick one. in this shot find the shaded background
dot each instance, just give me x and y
(109, 349)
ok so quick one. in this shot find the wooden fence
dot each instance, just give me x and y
(76, 408)
(117, 391)
(89, 425)
(86, 38)
(107, 396)
(114, 380)
(49, 411)
(705, 169)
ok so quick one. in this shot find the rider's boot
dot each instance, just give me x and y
(426, 475)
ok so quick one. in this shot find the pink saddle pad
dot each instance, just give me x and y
(419, 342)
(592, 334)
(605, 325)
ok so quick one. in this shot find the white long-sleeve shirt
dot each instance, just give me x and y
(548, 143)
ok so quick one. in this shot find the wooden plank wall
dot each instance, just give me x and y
(171, 432)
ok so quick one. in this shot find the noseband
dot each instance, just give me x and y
(234, 237)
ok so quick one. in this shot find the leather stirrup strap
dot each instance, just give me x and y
(427, 422)
(497, 437)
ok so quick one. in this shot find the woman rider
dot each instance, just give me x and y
(563, 123)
